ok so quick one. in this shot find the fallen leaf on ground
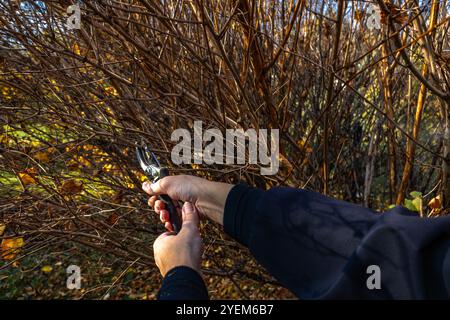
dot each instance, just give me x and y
(71, 186)
(27, 177)
(10, 247)
(47, 269)
(42, 156)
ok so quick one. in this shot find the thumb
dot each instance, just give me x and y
(159, 187)
(160, 239)
(189, 214)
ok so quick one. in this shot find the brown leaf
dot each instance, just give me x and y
(70, 226)
(117, 198)
(446, 56)
(41, 156)
(72, 165)
(44, 155)
(112, 219)
(398, 14)
(71, 186)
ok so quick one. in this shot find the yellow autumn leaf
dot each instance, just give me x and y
(44, 155)
(10, 247)
(35, 144)
(69, 147)
(76, 49)
(142, 177)
(89, 147)
(8, 93)
(111, 90)
(41, 156)
(2, 228)
(109, 167)
(78, 162)
(54, 83)
(435, 203)
(27, 178)
(83, 161)
(47, 269)
(305, 146)
(4, 139)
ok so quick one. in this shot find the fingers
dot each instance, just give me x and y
(180, 187)
(168, 226)
(160, 208)
(164, 216)
(189, 214)
(171, 186)
(152, 200)
(159, 205)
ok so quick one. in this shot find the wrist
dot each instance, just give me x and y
(215, 194)
(178, 257)
(187, 263)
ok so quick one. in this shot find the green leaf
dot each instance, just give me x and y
(417, 203)
(416, 194)
(409, 205)
(391, 206)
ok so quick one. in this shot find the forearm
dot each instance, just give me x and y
(302, 238)
(319, 247)
(215, 194)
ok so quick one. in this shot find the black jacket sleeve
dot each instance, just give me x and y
(182, 283)
(322, 248)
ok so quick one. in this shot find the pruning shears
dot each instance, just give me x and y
(153, 170)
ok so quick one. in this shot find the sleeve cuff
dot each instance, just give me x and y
(183, 283)
(240, 209)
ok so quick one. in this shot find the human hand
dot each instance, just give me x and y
(182, 249)
(208, 197)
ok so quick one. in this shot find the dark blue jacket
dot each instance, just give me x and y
(322, 248)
